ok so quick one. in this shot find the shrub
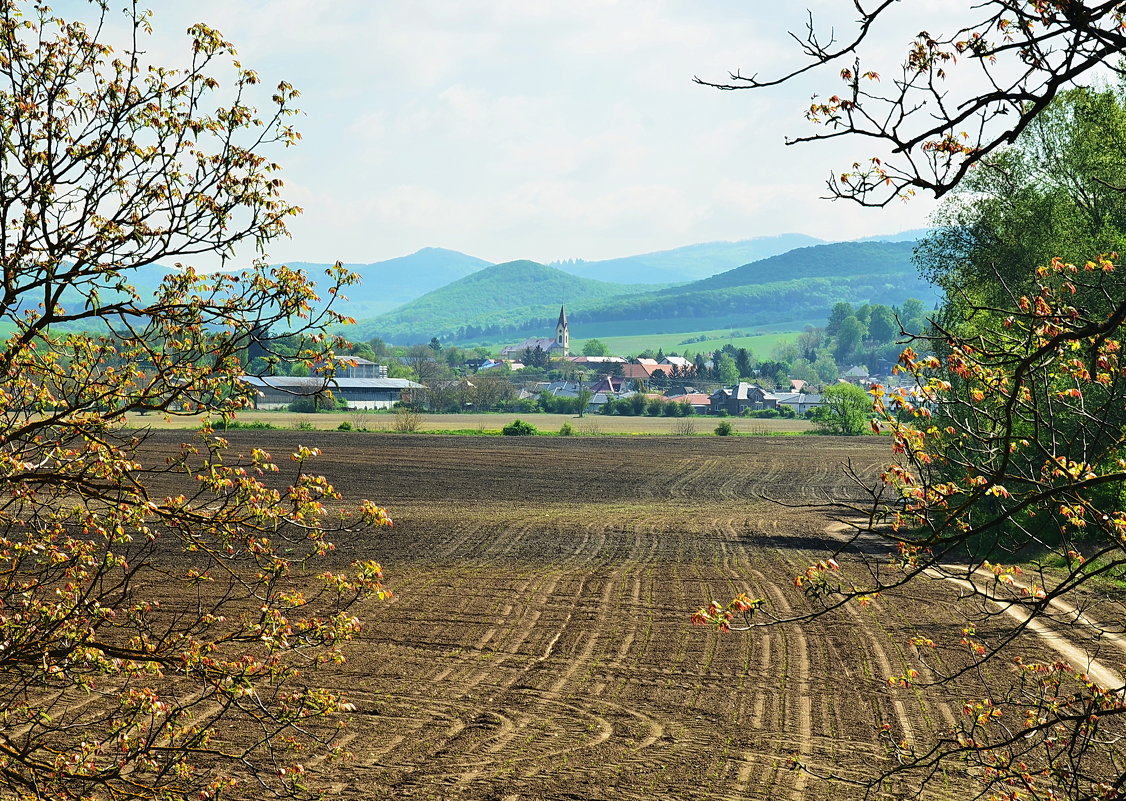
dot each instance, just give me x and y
(345, 426)
(304, 425)
(407, 420)
(519, 428)
(304, 405)
(724, 429)
(567, 430)
(257, 425)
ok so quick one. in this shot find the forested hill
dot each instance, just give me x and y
(791, 288)
(837, 260)
(517, 299)
(509, 295)
(689, 263)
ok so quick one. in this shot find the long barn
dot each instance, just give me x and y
(277, 392)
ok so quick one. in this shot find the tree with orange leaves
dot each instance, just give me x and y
(155, 608)
(1008, 480)
(1011, 58)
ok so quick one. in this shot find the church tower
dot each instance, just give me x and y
(562, 332)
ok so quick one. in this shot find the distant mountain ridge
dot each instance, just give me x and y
(386, 285)
(520, 298)
(688, 263)
(506, 294)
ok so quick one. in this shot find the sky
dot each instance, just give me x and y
(540, 129)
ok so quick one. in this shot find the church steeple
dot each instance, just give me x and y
(562, 332)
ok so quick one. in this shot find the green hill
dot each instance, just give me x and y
(518, 299)
(510, 296)
(689, 263)
(799, 285)
(837, 260)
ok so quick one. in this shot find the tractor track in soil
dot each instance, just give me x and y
(538, 645)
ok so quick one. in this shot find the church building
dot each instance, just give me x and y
(560, 346)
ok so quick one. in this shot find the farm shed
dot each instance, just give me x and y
(277, 392)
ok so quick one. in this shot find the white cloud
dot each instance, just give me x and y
(537, 128)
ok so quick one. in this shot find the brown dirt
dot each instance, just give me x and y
(539, 648)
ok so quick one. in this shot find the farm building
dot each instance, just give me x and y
(800, 402)
(277, 392)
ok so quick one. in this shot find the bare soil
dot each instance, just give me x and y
(538, 646)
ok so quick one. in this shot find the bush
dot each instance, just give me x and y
(567, 430)
(256, 425)
(407, 420)
(304, 425)
(685, 426)
(305, 405)
(345, 426)
(724, 429)
(519, 428)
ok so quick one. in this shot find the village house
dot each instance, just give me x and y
(798, 402)
(742, 397)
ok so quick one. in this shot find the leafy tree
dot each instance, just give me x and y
(1055, 193)
(882, 326)
(535, 357)
(423, 366)
(809, 342)
(913, 316)
(805, 371)
(846, 409)
(826, 368)
(726, 371)
(849, 338)
(1021, 54)
(582, 400)
(595, 347)
(837, 316)
(155, 608)
(744, 360)
(378, 347)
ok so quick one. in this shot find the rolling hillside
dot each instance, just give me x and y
(516, 294)
(521, 298)
(689, 263)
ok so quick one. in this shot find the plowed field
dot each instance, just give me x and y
(539, 647)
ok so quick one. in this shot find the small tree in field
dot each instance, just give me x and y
(846, 409)
(1013, 449)
(155, 607)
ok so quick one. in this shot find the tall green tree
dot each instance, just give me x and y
(849, 338)
(846, 409)
(595, 347)
(1056, 193)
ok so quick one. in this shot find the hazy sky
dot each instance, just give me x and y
(541, 129)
